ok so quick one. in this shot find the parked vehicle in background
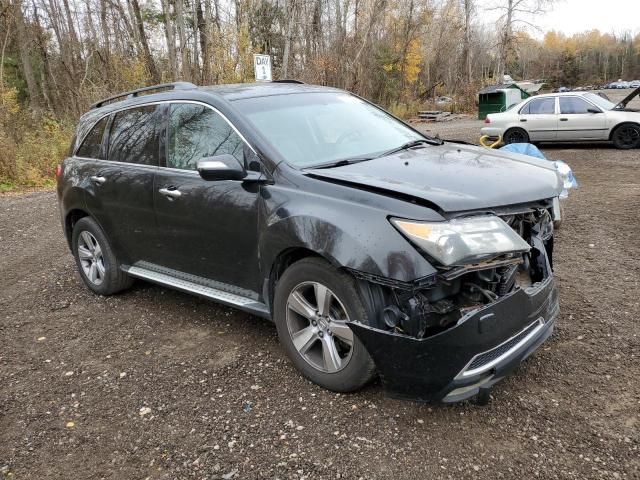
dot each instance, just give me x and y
(635, 84)
(372, 247)
(568, 117)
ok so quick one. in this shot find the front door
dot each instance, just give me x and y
(209, 228)
(576, 122)
(538, 117)
(119, 194)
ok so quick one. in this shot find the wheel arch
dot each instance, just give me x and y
(70, 219)
(618, 125)
(511, 128)
(281, 262)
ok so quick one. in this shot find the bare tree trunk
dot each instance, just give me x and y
(25, 57)
(143, 42)
(287, 39)
(4, 50)
(171, 39)
(204, 42)
(180, 26)
(466, 49)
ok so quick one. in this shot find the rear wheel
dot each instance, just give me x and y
(626, 136)
(96, 261)
(515, 135)
(312, 305)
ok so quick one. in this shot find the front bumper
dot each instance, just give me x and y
(480, 350)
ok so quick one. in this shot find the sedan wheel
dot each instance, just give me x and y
(515, 135)
(626, 136)
(316, 321)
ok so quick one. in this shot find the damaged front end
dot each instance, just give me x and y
(451, 336)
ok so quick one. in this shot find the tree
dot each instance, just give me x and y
(513, 14)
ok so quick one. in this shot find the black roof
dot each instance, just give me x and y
(229, 92)
(238, 91)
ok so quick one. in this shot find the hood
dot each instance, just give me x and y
(454, 177)
(622, 105)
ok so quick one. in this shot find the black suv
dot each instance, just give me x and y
(373, 248)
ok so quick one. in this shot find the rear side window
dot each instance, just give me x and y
(539, 106)
(196, 132)
(574, 105)
(92, 145)
(134, 136)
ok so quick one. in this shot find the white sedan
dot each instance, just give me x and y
(567, 117)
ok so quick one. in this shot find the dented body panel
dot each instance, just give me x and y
(425, 369)
(427, 321)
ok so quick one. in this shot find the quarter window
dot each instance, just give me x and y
(196, 132)
(134, 136)
(539, 106)
(574, 105)
(92, 145)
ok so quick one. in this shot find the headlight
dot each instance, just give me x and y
(462, 241)
(566, 175)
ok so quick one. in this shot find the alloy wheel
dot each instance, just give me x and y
(628, 136)
(516, 136)
(91, 258)
(317, 324)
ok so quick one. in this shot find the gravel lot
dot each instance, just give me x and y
(156, 384)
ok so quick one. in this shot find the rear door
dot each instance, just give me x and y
(120, 188)
(538, 117)
(209, 228)
(576, 122)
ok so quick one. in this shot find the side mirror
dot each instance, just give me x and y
(594, 110)
(221, 167)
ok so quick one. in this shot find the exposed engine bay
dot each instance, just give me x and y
(458, 291)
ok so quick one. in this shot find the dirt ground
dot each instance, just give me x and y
(156, 384)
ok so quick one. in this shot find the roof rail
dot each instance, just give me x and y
(287, 80)
(135, 93)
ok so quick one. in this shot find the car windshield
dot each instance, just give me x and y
(312, 129)
(600, 101)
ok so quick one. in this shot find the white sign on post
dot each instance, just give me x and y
(262, 67)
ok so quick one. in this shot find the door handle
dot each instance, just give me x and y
(98, 180)
(170, 193)
(523, 119)
(564, 119)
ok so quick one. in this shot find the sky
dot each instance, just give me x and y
(573, 16)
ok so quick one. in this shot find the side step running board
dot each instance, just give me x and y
(174, 281)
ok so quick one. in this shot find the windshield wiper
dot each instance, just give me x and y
(411, 144)
(342, 162)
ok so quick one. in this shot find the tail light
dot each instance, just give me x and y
(58, 171)
(487, 120)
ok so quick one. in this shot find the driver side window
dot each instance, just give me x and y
(196, 132)
(574, 105)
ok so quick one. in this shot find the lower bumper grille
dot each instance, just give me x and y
(485, 360)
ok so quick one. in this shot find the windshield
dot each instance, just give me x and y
(310, 129)
(599, 101)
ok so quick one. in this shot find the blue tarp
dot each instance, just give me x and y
(525, 149)
(563, 169)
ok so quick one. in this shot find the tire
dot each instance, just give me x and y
(515, 135)
(626, 136)
(96, 262)
(301, 281)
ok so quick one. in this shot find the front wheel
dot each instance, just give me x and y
(626, 136)
(312, 305)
